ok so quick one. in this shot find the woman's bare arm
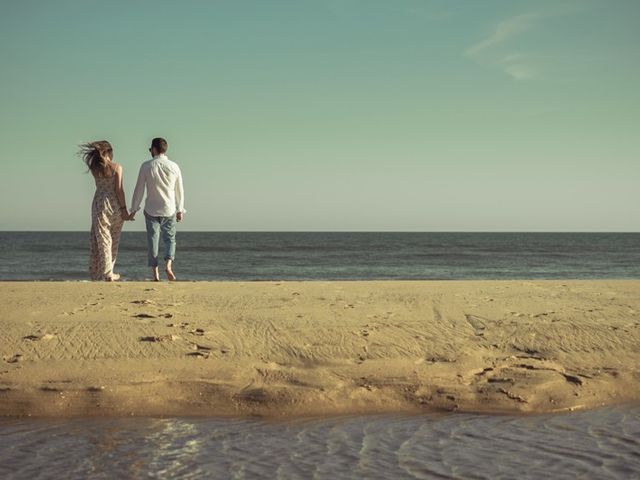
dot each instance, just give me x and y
(120, 192)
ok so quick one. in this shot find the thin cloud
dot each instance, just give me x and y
(514, 65)
(503, 31)
(517, 66)
(519, 72)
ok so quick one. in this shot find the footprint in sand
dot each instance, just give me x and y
(149, 315)
(143, 302)
(541, 314)
(201, 351)
(160, 338)
(199, 354)
(197, 346)
(36, 338)
(18, 357)
(197, 331)
(178, 325)
(440, 358)
(476, 323)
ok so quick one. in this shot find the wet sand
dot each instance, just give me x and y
(284, 349)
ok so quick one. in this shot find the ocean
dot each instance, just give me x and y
(336, 255)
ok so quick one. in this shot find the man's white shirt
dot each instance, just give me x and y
(163, 181)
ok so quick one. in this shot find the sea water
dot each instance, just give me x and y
(598, 444)
(335, 255)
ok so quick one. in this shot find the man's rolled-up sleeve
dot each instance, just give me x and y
(180, 193)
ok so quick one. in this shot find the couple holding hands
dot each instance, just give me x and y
(164, 206)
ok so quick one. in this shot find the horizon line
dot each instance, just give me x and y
(342, 231)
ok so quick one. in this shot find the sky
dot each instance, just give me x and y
(410, 115)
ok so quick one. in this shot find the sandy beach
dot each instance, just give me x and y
(284, 349)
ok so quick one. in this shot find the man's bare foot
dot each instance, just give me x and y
(170, 275)
(155, 274)
(113, 277)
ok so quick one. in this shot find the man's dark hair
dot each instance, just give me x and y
(160, 144)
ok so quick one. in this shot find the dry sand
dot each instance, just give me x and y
(317, 348)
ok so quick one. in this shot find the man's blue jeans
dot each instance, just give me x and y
(157, 227)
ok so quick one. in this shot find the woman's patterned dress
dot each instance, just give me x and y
(106, 226)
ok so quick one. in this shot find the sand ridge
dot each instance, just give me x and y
(282, 349)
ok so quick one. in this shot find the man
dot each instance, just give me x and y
(163, 207)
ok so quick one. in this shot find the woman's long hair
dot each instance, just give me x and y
(97, 156)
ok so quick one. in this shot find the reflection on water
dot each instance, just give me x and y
(597, 444)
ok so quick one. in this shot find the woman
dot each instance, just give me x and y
(108, 211)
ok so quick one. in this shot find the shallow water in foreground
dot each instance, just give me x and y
(599, 444)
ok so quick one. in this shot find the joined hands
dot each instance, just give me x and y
(128, 217)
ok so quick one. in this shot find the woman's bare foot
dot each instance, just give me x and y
(155, 274)
(170, 275)
(113, 277)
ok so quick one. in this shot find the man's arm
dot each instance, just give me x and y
(180, 197)
(138, 192)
